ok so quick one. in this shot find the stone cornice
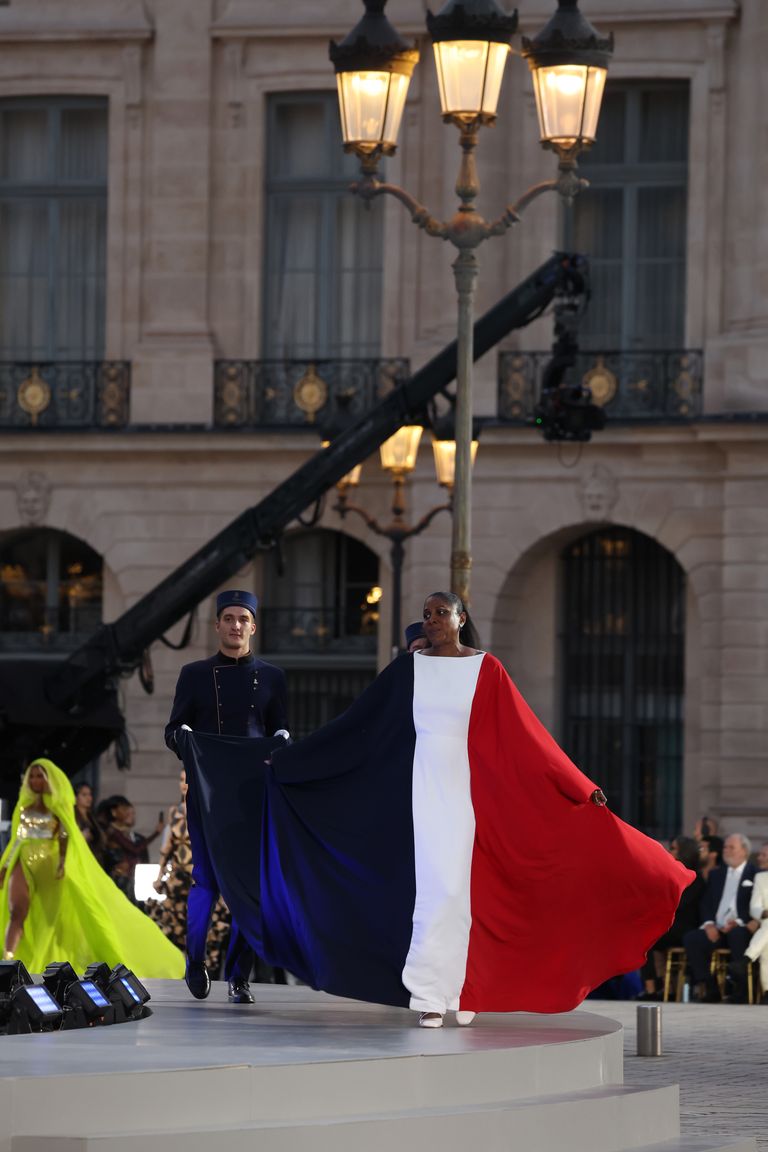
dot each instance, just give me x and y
(611, 12)
(242, 19)
(50, 20)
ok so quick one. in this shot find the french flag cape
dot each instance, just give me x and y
(520, 896)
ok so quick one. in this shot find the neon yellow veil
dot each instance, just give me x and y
(83, 916)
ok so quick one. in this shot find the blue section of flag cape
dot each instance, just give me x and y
(338, 834)
(226, 777)
(332, 900)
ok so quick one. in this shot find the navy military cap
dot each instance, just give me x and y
(236, 598)
(414, 632)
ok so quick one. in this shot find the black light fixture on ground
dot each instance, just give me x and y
(398, 457)
(471, 40)
(87, 1004)
(13, 975)
(123, 990)
(127, 979)
(25, 1006)
(57, 978)
(34, 1010)
(83, 1002)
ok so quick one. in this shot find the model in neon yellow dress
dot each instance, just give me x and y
(57, 903)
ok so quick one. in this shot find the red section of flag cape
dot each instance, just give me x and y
(564, 894)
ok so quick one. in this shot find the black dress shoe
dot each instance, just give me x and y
(239, 992)
(197, 978)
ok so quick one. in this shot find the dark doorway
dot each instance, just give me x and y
(622, 644)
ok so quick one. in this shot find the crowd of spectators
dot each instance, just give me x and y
(722, 916)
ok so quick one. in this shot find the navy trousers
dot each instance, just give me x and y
(699, 949)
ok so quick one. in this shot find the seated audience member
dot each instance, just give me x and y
(705, 826)
(125, 847)
(725, 916)
(710, 854)
(758, 911)
(687, 918)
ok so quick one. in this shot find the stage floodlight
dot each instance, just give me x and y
(126, 1001)
(33, 1009)
(13, 975)
(127, 979)
(99, 973)
(88, 1001)
(58, 977)
(123, 990)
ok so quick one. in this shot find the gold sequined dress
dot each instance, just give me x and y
(37, 840)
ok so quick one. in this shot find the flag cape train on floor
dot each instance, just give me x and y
(564, 894)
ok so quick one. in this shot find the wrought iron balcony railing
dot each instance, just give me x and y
(295, 393)
(64, 394)
(318, 629)
(647, 386)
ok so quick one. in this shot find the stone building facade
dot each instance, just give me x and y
(211, 111)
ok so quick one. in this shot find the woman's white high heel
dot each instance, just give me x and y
(463, 1018)
(430, 1020)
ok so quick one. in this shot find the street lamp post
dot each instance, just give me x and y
(471, 40)
(398, 457)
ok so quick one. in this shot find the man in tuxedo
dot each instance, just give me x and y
(231, 694)
(725, 921)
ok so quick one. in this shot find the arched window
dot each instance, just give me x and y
(319, 620)
(325, 600)
(622, 644)
(50, 589)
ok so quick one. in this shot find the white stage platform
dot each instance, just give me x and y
(299, 1070)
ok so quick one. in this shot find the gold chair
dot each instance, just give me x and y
(754, 985)
(718, 967)
(674, 972)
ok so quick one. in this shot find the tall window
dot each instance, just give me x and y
(319, 620)
(322, 293)
(631, 223)
(53, 201)
(623, 655)
(50, 589)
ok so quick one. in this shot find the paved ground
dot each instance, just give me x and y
(717, 1053)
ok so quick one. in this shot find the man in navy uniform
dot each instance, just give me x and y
(232, 694)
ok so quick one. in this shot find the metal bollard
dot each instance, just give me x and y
(649, 1029)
